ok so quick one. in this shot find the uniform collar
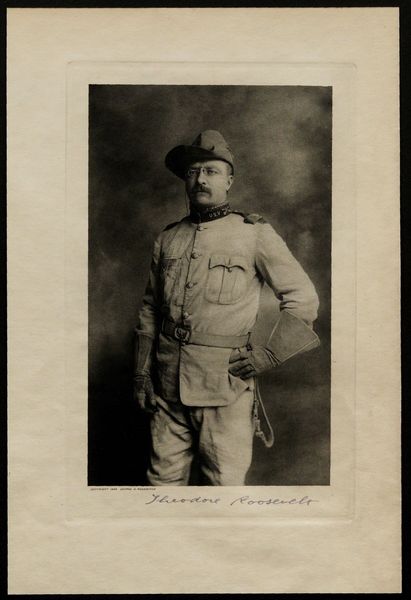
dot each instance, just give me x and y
(209, 213)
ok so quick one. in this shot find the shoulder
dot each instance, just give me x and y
(265, 235)
(250, 218)
(172, 232)
(172, 228)
(172, 225)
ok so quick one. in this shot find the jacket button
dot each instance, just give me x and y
(195, 255)
(186, 315)
(189, 285)
(200, 228)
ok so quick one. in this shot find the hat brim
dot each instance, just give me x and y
(181, 157)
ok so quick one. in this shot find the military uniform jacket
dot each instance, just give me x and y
(208, 277)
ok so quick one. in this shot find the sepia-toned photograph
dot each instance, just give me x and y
(209, 286)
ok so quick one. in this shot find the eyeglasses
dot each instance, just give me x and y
(209, 171)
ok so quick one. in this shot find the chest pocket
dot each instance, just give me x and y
(227, 279)
(170, 277)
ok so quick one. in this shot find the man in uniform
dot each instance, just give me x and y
(195, 369)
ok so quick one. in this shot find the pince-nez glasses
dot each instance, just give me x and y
(195, 172)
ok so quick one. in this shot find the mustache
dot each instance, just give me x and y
(200, 188)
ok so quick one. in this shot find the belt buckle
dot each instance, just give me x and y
(181, 334)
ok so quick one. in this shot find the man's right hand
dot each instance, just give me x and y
(144, 393)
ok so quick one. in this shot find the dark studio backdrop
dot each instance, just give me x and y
(281, 140)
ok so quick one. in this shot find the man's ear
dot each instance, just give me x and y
(230, 179)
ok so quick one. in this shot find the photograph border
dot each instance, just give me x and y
(337, 504)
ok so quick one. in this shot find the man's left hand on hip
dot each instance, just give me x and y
(245, 362)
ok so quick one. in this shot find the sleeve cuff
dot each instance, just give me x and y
(291, 336)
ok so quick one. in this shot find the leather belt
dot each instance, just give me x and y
(186, 336)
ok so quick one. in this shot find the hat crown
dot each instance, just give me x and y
(208, 145)
(211, 140)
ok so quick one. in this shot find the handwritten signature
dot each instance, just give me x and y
(157, 498)
(247, 500)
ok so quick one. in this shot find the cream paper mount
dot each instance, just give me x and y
(66, 538)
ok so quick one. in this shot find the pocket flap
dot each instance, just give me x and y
(238, 261)
(220, 260)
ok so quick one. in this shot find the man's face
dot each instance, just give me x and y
(207, 182)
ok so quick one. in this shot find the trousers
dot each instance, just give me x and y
(220, 437)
